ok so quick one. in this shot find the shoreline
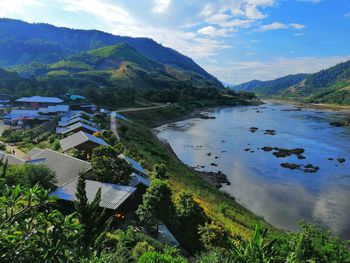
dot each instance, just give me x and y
(198, 113)
(216, 179)
(315, 106)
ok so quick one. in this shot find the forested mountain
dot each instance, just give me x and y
(110, 75)
(326, 86)
(270, 87)
(23, 43)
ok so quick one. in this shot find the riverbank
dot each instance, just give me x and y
(155, 117)
(219, 206)
(315, 106)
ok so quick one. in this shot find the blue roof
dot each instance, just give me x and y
(95, 139)
(19, 114)
(40, 99)
(135, 165)
(139, 179)
(76, 97)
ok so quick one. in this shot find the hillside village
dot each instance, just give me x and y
(78, 132)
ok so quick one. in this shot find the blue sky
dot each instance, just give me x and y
(235, 40)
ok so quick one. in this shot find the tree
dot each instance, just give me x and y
(190, 215)
(212, 235)
(108, 167)
(157, 204)
(90, 215)
(188, 210)
(30, 231)
(159, 172)
(29, 175)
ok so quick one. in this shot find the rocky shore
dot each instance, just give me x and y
(214, 178)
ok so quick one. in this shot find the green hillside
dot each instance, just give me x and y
(23, 43)
(119, 63)
(331, 85)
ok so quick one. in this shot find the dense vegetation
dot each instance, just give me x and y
(327, 86)
(34, 229)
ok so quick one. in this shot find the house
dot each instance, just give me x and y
(65, 167)
(73, 121)
(81, 141)
(11, 159)
(79, 126)
(121, 198)
(57, 109)
(37, 102)
(21, 114)
(135, 165)
(19, 117)
(76, 97)
(88, 107)
(113, 196)
(71, 114)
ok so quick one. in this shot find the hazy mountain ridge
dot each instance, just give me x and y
(330, 85)
(23, 43)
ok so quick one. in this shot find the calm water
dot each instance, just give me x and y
(258, 182)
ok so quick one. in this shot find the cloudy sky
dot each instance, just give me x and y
(236, 40)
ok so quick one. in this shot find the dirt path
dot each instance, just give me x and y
(114, 125)
(10, 148)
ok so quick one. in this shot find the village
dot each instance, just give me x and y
(78, 126)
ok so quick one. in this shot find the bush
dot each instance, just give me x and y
(155, 257)
(29, 175)
(140, 249)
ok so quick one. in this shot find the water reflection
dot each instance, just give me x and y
(281, 196)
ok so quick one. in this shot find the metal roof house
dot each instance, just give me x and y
(79, 126)
(21, 114)
(135, 165)
(57, 109)
(81, 141)
(112, 195)
(38, 101)
(11, 159)
(66, 167)
(74, 120)
(139, 180)
(75, 114)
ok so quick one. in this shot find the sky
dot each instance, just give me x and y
(235, 40)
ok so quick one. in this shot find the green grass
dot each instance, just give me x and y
(219, 206)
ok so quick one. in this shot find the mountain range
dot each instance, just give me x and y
(26, 44)
(331, 85)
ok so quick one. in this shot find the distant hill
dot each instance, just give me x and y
(270, 87)
(326, 86)
(120, 65)
(22, 43)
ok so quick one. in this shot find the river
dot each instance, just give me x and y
(258, 182)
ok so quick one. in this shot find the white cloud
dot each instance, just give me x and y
(273, 26)
(120, 22)
(297, 26)
(11, 8)
(161, 6)
(279, 25)
(238, 13)
(243, 71)
(100, 9)
(347, 15)
(212, 31)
